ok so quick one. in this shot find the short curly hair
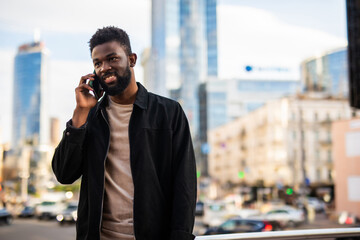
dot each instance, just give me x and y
(108, 34)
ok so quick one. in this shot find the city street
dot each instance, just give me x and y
(33, 229)
(320, 221)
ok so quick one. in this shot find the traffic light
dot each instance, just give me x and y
(241, 174)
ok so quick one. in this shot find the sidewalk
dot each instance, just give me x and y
(323, 221)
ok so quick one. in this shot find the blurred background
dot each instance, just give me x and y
(269, 89)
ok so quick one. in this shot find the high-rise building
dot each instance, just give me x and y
(146, 65)
(211, 37)
(184, 50)
(229, 99)
(165, 45)
(327, 73)
(224, 100)
(54, 131)
(198, 53)
(279, 143)
(30, 119)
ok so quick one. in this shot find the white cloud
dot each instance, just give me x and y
(6, 81)
(66, 16)
(80, 16)
(63, 79)
(249, 36)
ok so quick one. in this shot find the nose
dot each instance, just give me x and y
(105, 66)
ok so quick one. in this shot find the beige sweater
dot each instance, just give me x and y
(117, 220)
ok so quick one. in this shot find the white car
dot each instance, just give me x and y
(48, 210)
(214, 213)
(286, 216)
(316, 204)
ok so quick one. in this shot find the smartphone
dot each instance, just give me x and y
(95, 84)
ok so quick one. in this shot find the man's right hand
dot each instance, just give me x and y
(84, 101)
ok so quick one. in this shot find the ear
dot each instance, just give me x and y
(132, 59)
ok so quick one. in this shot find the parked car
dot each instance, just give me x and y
(69, 214)
(27, 212)
(316, 204)
(5, 216)
(348, 218)
(48, 210)
(240, 225)
(243, 213)
(287, 216)
(199, 210)
(214, 213)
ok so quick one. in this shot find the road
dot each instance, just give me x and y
(320, 221)
(33, 229)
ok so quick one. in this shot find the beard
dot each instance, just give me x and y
(122, 82)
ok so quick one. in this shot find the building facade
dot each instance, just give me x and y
(346, 138)
(229, 99)
(224, 100)
(327, 73)
(183, 50)
(30, 115)
(165, 46)
(211, 38)
(286, 142)
(30, 156)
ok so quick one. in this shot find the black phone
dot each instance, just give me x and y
(95, 84)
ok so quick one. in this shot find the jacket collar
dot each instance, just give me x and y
(141, 98)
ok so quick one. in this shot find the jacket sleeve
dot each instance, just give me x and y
(184, 180)
(68, 156)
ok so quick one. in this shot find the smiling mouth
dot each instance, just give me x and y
(109, 79)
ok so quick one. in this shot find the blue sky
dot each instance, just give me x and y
(323, 15)
(275, 33)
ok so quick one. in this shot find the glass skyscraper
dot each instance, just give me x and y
(230, 99)
(327, 73)
(184, 50)
(30, 119)
(165, 46)
(211, 36)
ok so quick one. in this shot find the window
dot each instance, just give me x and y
(229, 225)
(329, 156)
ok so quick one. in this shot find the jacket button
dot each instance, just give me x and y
(67, 133)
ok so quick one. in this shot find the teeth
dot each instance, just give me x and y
(110, 78)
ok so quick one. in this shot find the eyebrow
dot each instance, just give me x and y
(109, 55)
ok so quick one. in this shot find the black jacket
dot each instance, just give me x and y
(162, 164)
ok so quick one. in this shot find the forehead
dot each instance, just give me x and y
(107, 48)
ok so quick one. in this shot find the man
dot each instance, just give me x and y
(133, 150)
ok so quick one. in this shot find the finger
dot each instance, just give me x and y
(84, 80)
(84, 86)
(83, 89)
(86, 77)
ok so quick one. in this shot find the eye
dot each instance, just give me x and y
(97, 64)
(113, 59)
